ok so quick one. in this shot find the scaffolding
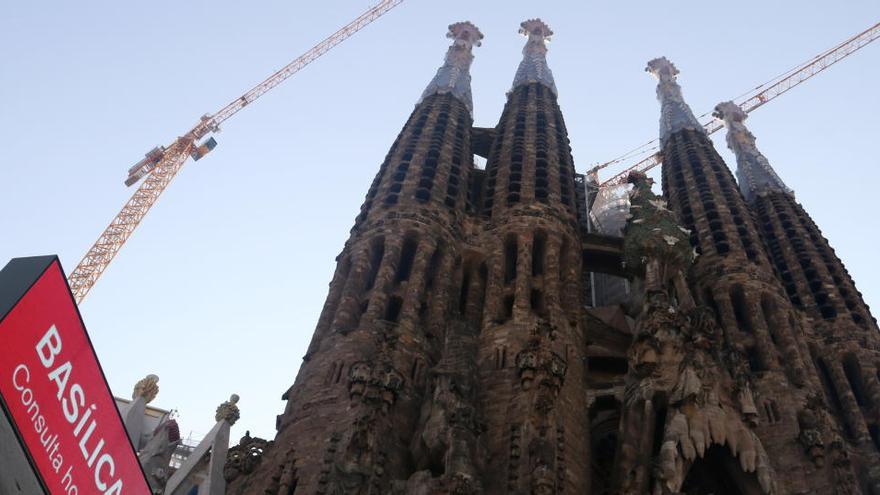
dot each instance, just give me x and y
(608, 214)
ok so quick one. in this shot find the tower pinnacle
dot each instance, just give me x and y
(454, 75)
(753, 171)
(675, 114)
(534, 68)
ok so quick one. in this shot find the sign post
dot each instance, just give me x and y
(53, 390)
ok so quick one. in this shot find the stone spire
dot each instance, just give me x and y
(533, 68)
(454, 76)
(753, 171)
(675, 114)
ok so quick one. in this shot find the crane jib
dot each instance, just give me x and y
(160, 165)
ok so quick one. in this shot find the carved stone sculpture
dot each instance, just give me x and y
(228, 411)
(156, 454)
(147, 387)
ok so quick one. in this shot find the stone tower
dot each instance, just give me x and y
(352, 413)
(842, 335)
(531, 374)
(459, 350)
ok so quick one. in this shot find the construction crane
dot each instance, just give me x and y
(748, 101)
(161, 164)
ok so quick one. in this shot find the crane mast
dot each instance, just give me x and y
(755, 98)
(162, 164)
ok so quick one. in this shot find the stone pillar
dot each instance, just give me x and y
(569, 275)
(212, 449)
(551, 273)
(349, 303)
(333, 295)
(851, 411)
(778, 326)
(474, 304)
(438, 306)
(522, 283)
(415, 286)
(766, 348)
(494, 283)
(725, 311)
(384, 280)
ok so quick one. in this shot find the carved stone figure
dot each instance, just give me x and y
(810, 435)
(244, 458)
(228, 411)
(156, 454)
(539, 366)
(378, 383)
(147, 387)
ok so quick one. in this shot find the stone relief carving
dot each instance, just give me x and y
(376, 383)
(542, 371)
(244, 458)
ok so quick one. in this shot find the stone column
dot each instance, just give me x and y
(766, 349)
(349, 303)
(551, 273)
(384, 280)
(204, 466)
(522, 284)
(474, 303)
(335, 293)
(851, 411)
(415, 286)
(569, 275)
(778, 325)
(872, 385)
(438, 308)
(494, 284)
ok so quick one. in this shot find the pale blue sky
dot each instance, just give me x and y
(219, 289)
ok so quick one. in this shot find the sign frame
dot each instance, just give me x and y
(17, 279)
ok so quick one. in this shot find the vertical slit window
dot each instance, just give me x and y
(392, 312)
(376, 253)
(407, 255)
(510, 255)
(853, 373)
(740, 309)
(538, 253)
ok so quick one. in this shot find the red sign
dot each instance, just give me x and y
(53, 388)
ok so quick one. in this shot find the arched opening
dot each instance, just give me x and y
(830, 389)
(853, 373)
(392, 311)
(536, 300)
(463, 293)
(510, 255)
(377, 251)
(768, 308)
(538, 249)
(718, 473)
(407, 256)
(604, 421)
(741, 310)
